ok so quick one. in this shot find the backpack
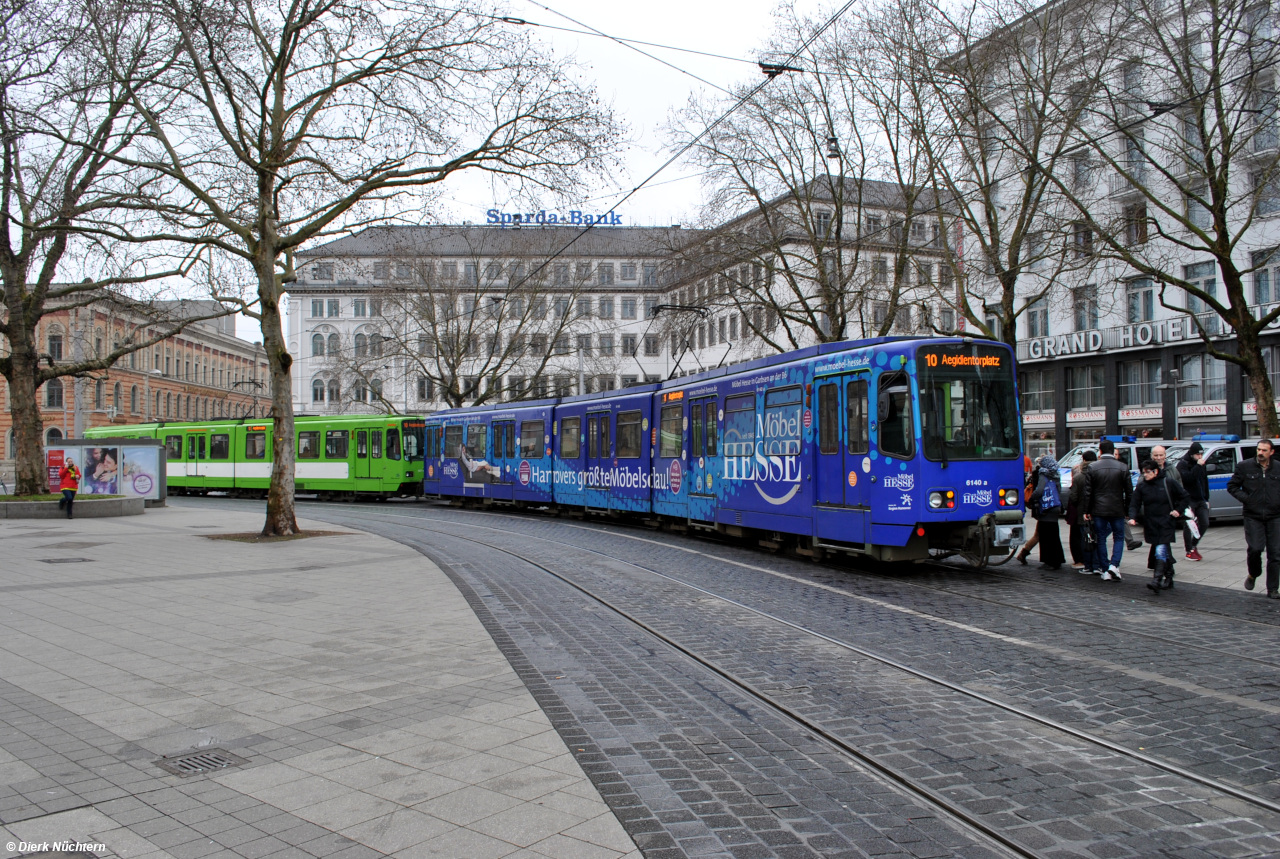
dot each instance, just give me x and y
(1051, 499)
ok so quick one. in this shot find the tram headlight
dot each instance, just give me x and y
(1008, 497)
(941, 498)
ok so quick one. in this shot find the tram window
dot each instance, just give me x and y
(476, 441)
(309, 444)
(173, 446)
(200, 446)
(897, 435)
(255, 445)
(782, 422)
(531, 435)
(375, 444)
(604, 436)
(362, 444)
(571, 438)
(856, 401)
(413, 432)
(740, 425)
(593, 437)
(452, 441)
(829, 418)
(220, 446)
(713, 435)
(629, 435)
(191, 447)
(695, 419)
(393, 444)
(671, 433)
(335, 444)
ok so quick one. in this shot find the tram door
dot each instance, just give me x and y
(599, 459)
(843, 442)
(704, 457)
(504, 457)
(362, 454)
(197, 459)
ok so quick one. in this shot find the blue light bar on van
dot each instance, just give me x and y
(1120, 439)
(1209, 436)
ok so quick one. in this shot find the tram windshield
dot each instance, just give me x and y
(414, 438)
(968, 410)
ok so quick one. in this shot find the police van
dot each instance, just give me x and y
(1222, 453)
(1130, 450)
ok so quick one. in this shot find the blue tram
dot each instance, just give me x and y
(897, 448)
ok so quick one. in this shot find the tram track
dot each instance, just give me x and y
(1214, 784)
(941, 567)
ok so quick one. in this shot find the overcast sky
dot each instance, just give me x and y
(641, 90)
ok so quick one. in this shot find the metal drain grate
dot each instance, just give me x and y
(66, 560)
(203, 761)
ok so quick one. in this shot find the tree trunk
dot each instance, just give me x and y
(28, 428)
(281, 515)
(24, 398)
(1259, 382)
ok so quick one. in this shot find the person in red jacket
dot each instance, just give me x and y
(69, 483)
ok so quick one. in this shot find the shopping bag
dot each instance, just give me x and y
(1192, 525)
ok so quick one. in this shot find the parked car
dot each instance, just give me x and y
(1222, 453)
(1130, 450)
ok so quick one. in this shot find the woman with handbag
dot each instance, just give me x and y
(1156, 504)
(1046, 507)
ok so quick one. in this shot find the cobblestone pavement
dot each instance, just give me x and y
(1174, 679)
(375, 713)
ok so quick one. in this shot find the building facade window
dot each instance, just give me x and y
(1038, 391)
(1204, 379)
(606, 344)
(628, 308)
(1084, 307)
(650, 275)
(1037, 313)
(322, 271)
(317, 391)
(317, 307)
(335, 307)
(1141, 300)
(1139, 383)
(1085, 388)
(53, 394)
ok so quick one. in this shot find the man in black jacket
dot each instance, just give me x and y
(1195, 479)
(1107, 490)
(1256, 485)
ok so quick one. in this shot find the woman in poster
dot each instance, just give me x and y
(101, 471)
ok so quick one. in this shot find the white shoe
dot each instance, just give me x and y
(1105, 575)
(1115, 572)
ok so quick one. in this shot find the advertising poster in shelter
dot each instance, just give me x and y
(54, 458)
(139, 472)
(100, 470)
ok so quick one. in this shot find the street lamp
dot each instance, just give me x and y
(146, 378)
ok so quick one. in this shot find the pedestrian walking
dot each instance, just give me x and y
(1107, 492)
(1195, 479)
(1046, 507)
(69, 484)
(1031, 476)
(1160, 457)
(1081, 558)
(1156, 504)
(1256, 485)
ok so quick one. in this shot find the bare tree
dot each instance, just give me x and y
(994, 93)
(823, 198)
(284, 123)
(506, 320)
(63, 122)
(1185, 122)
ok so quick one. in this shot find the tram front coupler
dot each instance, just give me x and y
(1002, 530)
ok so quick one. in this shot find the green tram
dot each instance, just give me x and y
(338, 456)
